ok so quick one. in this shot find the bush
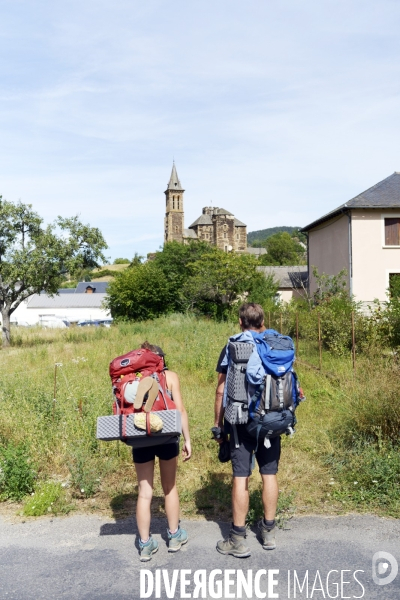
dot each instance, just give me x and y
(49, 497)
(17, 475)
(85, 476)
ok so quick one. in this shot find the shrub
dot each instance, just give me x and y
(85, 476)
(49, 497)
(17, 475)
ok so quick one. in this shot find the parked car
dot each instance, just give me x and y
(94, 323)
(54, 322)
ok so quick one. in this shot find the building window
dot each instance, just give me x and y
(173, 201)
(176, 228)
(178, 202)
(237, 236)
(224, 234)
(392, 232)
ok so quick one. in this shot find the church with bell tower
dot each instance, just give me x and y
(216, 226)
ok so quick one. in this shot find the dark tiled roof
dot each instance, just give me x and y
(100, 287)
(202, 220)
(288, 277)
(222, 211)
(385, 194)
(238, 223)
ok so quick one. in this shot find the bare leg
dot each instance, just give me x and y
(240, 500)
(168, 482)
(145, 475)
(270, 496)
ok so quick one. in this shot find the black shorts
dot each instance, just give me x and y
(163, 451)
(267, 458)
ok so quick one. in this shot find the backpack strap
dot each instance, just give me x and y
(235, 435)
(279, 383)
(268, 393)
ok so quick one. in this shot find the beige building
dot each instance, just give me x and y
(361, 236)
(292, 281)
(215, 225)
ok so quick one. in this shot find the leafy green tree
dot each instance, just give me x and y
(188, 277)
(282, 249)
(121, 261)
(140, 292)
(35, 258)
(218, 281)
(136, 260)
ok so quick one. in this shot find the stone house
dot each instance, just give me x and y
(361, 236)
(215, 225)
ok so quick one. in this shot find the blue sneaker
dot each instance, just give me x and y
(177, 540)
(147, 549)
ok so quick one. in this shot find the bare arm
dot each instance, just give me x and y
(175, 388)
(219, 393)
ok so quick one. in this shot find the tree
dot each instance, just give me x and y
(140, 292)
(218, 281)
(121, 261)
(35, 258)
(183, 277)
(282, 249)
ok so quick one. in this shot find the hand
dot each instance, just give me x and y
(186, 450)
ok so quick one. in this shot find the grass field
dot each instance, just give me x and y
(78, 472)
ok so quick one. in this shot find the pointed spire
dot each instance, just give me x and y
(174, 183)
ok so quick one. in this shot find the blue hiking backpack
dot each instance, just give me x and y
(272, 408)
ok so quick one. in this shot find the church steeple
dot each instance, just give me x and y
(173, 222)
(174, 183)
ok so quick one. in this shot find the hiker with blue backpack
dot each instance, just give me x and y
(256, 397)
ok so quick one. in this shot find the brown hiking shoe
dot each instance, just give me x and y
(235, 545)
(267, 536)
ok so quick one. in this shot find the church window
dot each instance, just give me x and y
(178, 202)
(224, 234)
(173, 201)
(237, 236)
(176, 228)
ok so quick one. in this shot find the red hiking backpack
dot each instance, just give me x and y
(128, 370)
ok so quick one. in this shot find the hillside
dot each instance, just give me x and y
(263, 234)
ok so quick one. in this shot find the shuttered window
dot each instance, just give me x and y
(392, 232)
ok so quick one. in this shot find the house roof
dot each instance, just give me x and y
(385, 194)
(256, 251)
(189, 233)
(67, 301)
(287, 277)
(174, 183)
(99, 287)
(202, 220)
(206, 219)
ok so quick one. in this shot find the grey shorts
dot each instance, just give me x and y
(267, 458)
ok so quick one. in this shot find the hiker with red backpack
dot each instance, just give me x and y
(256, 396)
(148, 399)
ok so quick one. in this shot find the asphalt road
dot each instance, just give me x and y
(94, 558)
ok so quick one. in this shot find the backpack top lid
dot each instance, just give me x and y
(276, 351)
(136, 361)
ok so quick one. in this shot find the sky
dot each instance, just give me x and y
(277, 111)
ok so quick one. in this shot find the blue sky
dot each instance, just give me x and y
(277, 111)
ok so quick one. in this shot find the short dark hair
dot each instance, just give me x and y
(251, 315)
